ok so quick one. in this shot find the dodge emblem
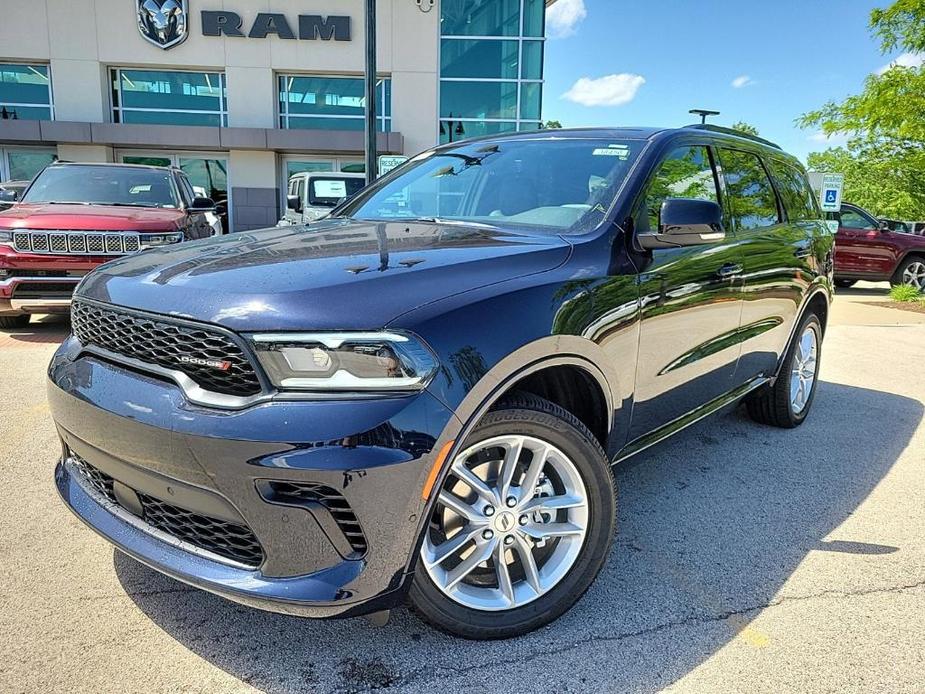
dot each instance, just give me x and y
(165, 23)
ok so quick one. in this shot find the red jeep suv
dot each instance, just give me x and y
(865, 249)
(73, 217)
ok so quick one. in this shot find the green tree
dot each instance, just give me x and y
(744, 127)
(552, 125)
(884, 160)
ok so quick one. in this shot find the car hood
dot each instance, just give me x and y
(334, 275)
(90, 218)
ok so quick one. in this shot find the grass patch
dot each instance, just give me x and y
(905, 292)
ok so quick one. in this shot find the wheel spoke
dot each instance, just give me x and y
(534, 470)
(528, 562)
(482, 552)
(445, 550)
(457, 505)
(474, 482)
(503, 573)
(547, 530)
(509, 465)
(552, 503)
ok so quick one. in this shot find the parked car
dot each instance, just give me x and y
(324, 421)
(10, 192)
(73, 217)
(895, 225)
(866, 249)
(311, 195)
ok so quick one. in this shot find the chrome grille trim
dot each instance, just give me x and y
(76, 242)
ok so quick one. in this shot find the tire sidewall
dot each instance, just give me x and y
(591, 464)
(811, 320)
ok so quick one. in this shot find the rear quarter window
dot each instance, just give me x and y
(796, 194)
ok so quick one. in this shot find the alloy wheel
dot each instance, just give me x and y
(509, 523)
(803, 370)
(914, 274)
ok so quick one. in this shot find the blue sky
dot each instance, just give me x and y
(663, 57)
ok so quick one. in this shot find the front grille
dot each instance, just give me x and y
(44, 290)
(331, 499)
(226, 539)
(159, 342)
(77, 242)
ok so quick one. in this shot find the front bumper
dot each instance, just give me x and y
(141, 432)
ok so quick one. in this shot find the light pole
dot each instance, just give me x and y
(452, 127)
(371, 130)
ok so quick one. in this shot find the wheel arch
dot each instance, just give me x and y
(817, 299)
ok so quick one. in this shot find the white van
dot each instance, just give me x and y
(312, 195)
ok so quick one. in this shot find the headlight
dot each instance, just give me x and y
(155, 240)
(6, 236)
(345, 362)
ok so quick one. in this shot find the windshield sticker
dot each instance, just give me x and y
(621, 151)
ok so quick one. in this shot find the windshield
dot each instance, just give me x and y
(103, 185)
(329, 191)
(555, 184)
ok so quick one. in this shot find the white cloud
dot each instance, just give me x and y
(833, 140)
(904, 60)
(742, 81)
(563, 18)
(610, 90)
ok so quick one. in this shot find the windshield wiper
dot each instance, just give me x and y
(65, 202)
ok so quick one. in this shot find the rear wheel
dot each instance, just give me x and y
(521, 527)
(786, 404)
(912, 271)
(844, 284)
(12, 322)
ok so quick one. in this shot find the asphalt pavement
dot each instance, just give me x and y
(748, 559)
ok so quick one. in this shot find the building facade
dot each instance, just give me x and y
(243, 94)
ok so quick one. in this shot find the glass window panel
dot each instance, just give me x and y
(529, 125)
(28, 112)
(190, 91)
(751, 196)
(353, 167)
(294, 167)
(467, 18)
(534, 17)
(24, 165)
(172, 118)
(473, 58)
(531, 98)
(335, 96)
(464, 130)
(532, 61)
(25, 84)
(211, 175)
(795, 191)
(479, 99)
(314, 123)
(146, 161)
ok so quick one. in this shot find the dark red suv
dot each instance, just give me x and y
(865, 249)
(74, 217)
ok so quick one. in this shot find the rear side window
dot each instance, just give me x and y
(685, 173)
(752, 199)
(795, 192)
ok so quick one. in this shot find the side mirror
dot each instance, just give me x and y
(8, 196)
(294, 203)
(685, 222)
(884, 225)
(202, 205)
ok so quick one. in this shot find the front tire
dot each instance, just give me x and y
(14, 322)
(522, 525)
(787, 403)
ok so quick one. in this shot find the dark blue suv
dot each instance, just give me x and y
(423, 396)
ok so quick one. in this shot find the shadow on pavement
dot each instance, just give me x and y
(711, 524)
(51, 329)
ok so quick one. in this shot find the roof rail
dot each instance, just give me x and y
(733, 131)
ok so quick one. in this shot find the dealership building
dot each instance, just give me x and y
(242, 94)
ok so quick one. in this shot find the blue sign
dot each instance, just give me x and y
(831, 196)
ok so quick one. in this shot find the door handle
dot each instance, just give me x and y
(803, 252)
(729, 270)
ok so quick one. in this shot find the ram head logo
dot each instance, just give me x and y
(163, 22)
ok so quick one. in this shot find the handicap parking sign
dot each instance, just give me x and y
(831, 197)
